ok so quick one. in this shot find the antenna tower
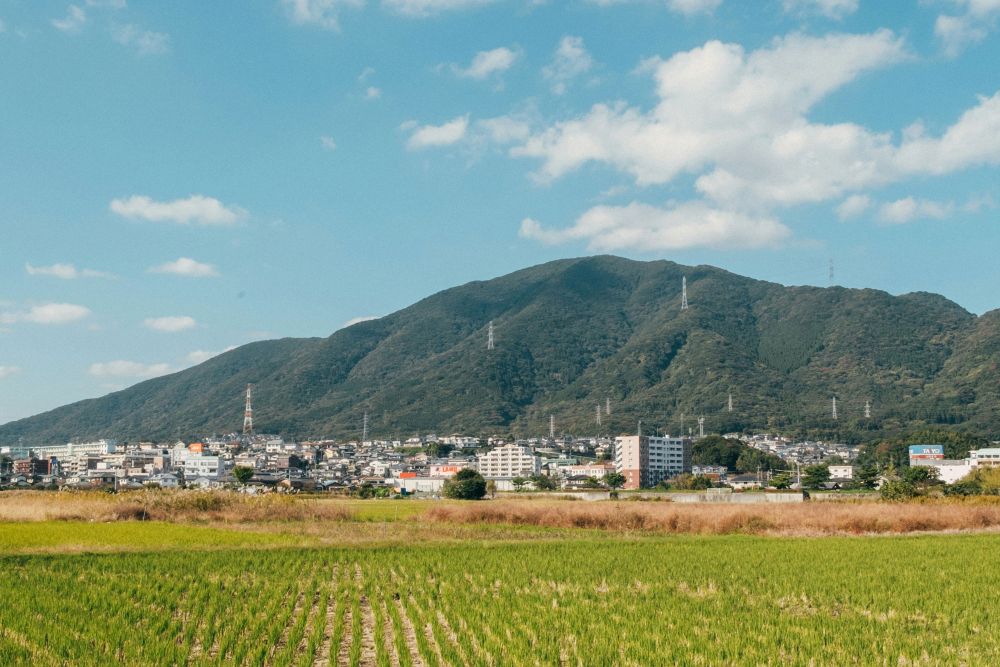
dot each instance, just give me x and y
(834, 407)
(248, 413)
(868, 409)
(729, 405)
(364, 429)
(489, 339)
(684, 293)
(701, 427)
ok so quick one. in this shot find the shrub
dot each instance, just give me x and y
(465, 485)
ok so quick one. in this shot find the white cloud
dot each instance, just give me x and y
(973, 140)
(834, 9)
(107, 4)
(358, 320)
(570, 61)
(957, 32)
(853, 206)
(73, 21)
(686, 7)
(47, 313)
(428, 136)
(65, 271)
(145, 42)
(906, 210)
(639, 226)
(486, 63)
(200, 356)
(740, 116)
(328, 143)
(321, 13)
(7, 371)
(3, 26)
(170, 323)
(373, 93)
(187, 267)
(121, 368)
(424, 8)
(196, 209)
(504, 129)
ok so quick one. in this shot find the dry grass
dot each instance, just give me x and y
(159, 505)
(806, 519)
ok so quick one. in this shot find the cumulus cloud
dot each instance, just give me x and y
(686, 7)
(424, 8)
(908, 209)
(170, 323)
(973, 140)
(74, 20)
(196, 209)
(199, 356)
(358, 320)
(974, 22)
(7, 371)
(328, 143)
(145, 42)
(487, 63)
(430, 136)
(122, 368)
(570, 61)
(187, 267)
(321, 13)
(853, 206)
(47, 313)
(639, 226)
(65, 272)
(834, 9)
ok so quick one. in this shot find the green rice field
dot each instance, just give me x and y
(589, 600)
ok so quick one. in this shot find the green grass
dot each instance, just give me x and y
(76, 536)
(667, 600)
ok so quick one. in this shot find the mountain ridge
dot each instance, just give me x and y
(570, 334)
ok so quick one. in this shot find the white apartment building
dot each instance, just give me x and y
(646, 461)
(70, 449)
(509, 461)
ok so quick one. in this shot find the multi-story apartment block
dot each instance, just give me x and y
(646, 461)
(509, 461)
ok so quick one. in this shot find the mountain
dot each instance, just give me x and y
(571, 334)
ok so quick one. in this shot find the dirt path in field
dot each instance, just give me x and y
(389, 634)
(283, 639)
(409, 634)
(310, 622)
(323, 655)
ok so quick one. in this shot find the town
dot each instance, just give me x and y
(420, 465)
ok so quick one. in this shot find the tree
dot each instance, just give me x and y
(897, 489)
(544, 483)
(688, 482)
(243, 474)
(866, 476)
(816, 476)
(519, 483)
(491, 488)
(614, 480)
(782, 480)
(467, 484)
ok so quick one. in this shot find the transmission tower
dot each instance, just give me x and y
(489, 339)
(835, 407)
(831, 272)
(684, 293)
(598, 413)
(607, 406)
(552, 427)
(639, 432)
(364, 429)
(729, 404)
(701, 427)
(868, 409)
(248, 413)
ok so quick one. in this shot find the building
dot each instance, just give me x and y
(841, 473)
(646, 461)
(33, 467)
(509, 461)
(596, 470)
(925, 454)
(984, 458)
(69, 450)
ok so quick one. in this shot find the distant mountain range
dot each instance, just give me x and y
(572, 334)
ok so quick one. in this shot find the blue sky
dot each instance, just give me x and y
(182, 177)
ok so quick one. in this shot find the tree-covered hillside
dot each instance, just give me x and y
(571, 334)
